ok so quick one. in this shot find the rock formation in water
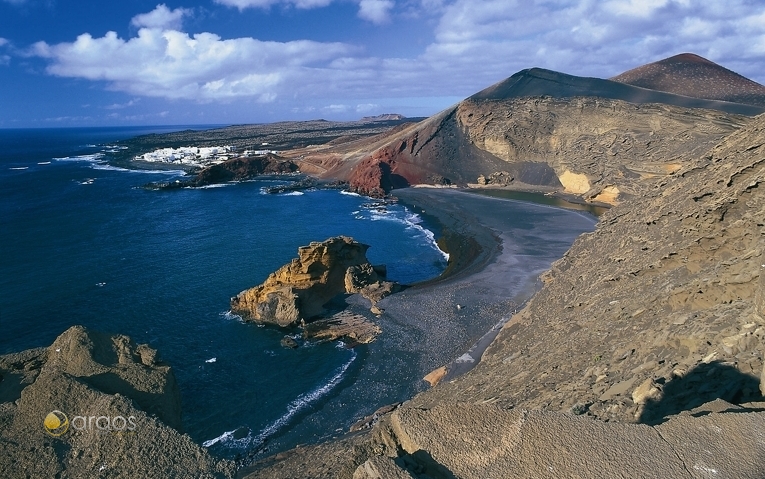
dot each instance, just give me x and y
(299, 290)
(94, 405)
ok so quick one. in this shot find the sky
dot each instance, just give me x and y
(66, 63)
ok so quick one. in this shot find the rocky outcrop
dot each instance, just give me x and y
(236, 169)
(498, 178)
(377, 176)
(94, 405)
(352, 327)
(646, 340)
(299, 290)
(245, 168)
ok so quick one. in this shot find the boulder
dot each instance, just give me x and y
(359, 277)
(299, 290)
(95, 405)
(289, 343)
(498, 178)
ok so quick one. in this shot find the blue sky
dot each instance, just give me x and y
(86, 63)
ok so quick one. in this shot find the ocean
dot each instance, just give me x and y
(82, 242)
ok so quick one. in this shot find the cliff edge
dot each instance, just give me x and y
(646, 341)
(94, 405)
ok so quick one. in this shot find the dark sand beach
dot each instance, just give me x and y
(497, 248)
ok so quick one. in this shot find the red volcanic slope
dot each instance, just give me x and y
(691, 75)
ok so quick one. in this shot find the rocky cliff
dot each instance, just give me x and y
(299, 290)
(646, 341)
(593, 138)
(94, 405)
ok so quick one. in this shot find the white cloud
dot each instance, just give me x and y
(475, 43)
(119, 106)
(376, 11)
(3, 41)
(242, 4)
(172, 64)
(161, 17)
(489, 40)
(336, 108)
(366, 107)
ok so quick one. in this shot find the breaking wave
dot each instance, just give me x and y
(299, 404)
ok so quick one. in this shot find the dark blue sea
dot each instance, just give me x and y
(82, 242)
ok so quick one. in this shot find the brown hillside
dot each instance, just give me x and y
(691, 75)
(581, 146)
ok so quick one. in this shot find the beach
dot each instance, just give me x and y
(497, 250)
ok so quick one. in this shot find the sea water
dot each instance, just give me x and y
(83, 243)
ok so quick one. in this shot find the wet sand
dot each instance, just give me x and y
(498, 248)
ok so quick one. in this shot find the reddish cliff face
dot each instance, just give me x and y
(382, 172)
(437, 151)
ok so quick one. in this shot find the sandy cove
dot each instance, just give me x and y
(498, 248)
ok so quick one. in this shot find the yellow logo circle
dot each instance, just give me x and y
(56, 423)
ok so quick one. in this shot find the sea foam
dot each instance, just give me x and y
(294, 407)
(107, 167)
(95, 157)
(411, 220)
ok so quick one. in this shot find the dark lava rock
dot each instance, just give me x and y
(289, 343)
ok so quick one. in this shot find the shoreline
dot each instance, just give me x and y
(471, 247)
(494, 268)
(498, 248)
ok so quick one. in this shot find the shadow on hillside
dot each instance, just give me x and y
(704, 383)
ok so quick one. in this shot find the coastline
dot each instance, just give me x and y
(473, 245)
(497, 250)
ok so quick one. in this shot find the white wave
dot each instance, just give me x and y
(465, 358)
(230, 315)
(96, 157)
(211, 360)
(43, 162)
(18, 168)
(107, 167)
(412, 222)
(294, 193)
(300, 403)
(349, 193)
(208, 187)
